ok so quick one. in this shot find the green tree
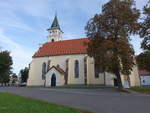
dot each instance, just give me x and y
(24, 74)
(145, 30)
(5, 66)
(144, 58)
(14, 77)
(109, 34)
(143, 61)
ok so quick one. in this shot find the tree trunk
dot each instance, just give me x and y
(66, 79)
(66, 76)
(5, 84)
(120, 87)
(44, 80)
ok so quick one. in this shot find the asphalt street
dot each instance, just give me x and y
(94, 100)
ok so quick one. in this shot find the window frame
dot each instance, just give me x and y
(43, 70)
(48, 65)
(76, 69)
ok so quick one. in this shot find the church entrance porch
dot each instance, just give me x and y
(55, 77)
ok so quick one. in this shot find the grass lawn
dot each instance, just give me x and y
(10, 103)
(143, 89)
(74, 87)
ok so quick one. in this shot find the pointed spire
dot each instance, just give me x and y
(55, 24)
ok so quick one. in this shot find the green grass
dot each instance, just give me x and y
(74, 87)
(144, 89)
(10, 103)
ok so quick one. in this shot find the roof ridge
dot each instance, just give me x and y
(58, 69)
(66, 40)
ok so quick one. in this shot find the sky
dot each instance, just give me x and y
(23, 24)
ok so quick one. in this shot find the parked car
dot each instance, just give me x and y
(22, 84)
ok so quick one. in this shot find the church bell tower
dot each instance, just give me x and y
(54, 32)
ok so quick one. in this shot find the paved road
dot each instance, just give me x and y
(95, 100)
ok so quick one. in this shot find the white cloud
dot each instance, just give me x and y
(21, 55)
(31, 7)
(11, 17)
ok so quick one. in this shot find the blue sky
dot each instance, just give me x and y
(23, 24)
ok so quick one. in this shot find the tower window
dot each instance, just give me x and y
(52, 40)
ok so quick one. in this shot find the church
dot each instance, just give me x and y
(61, 62)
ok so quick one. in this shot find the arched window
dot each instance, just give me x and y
(48, 65)
(43, 70)
(52, 40)
(66, 74)
(76, 68)
(85, 70)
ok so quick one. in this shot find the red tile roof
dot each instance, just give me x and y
(65, 47)
(58, 69)
(144, 73)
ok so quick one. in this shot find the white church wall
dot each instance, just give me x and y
(71, 73)
(35, 72)
(100, 80)
(91, 74)
(58, 60)
(61, 60)
(134, 77)
(109, 79)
